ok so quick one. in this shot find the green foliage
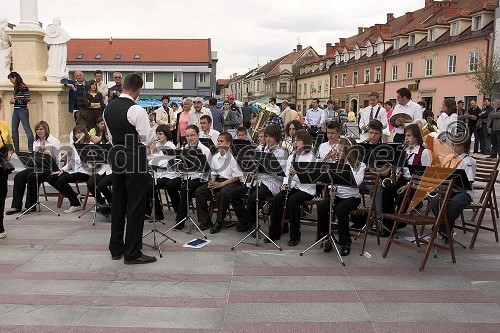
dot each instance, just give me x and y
(486, 77)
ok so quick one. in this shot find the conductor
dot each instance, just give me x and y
(130, 134)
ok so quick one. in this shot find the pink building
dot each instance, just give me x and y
(438, 48)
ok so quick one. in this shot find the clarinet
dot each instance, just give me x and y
(289, 184)
(253, 179)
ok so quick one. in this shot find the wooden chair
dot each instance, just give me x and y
(421, 185)
(61, 196)
(487, 164)
(487, 180)
(370, 180)
(48, 194)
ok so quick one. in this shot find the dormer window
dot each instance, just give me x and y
(411, 41)
(137, 56)
(337, 59)
(397, 42)
(118, 56)
(369, 51)
(98, 56)
(357, 54)
(476, 25)
(346, 56)
(431, 35)
(380, 48)
(79, 56)
(455, 28)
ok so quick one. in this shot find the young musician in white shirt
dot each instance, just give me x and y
(372, 111)
(205, 129)
(459, 159)
(346, 199)
(162, 175)
(327, 150)
(290, 129)
(226, 176)
(405, 105)
(196, 179)
(292, 191)
(269, 184)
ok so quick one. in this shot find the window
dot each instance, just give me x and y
(337, 59)
(397, 42)
(380, 48)
(357, 54)
(149, 82)
(346, 56)
(411, 42)
(369, 51)
(326, 85)
(137, 56)
(299, 87)
(378, 72)
(305, 88)
(355, 78)
(344, 79)
(477, 23)
(98, 56)
(409, 70)
(118, 56)
(79, 56)
(367, 76)
(473, 59)
(428, 67)
(203, 78)
(431, 35)
(258, 85)
(177, 77)
(283, 88)
(452, 64)
(335, 81)
(455, 28)
(319, 86)
(394, 72)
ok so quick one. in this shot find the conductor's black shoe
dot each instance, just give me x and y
(206, 225)
(179, 226)
(143, 259)
(118, 257)
(328, 247)
(13, 211)
(293, 242)
(345, 250)
(216, 228)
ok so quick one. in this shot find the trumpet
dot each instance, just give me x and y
(367, 140)
(332, 149)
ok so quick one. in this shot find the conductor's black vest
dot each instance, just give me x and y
(124, 135)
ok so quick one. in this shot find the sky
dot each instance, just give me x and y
(244, 33)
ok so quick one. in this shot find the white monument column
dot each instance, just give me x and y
(29, 15)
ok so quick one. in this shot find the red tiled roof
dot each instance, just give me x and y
(223, 82)
(150, 50)
(265, 69)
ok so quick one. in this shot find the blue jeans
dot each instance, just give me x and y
(21, 115)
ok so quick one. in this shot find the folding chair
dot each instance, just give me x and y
(487, 180)
(61, 196)
(371, 181)
(487, 165)
(422, 185)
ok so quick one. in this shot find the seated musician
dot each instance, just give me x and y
(459, 159)
(44, 143)
(242, 133)
(162, 175)
(416, 154)
(103, 178)
(292, 191)
(195, 179)
(73, 171)
(205, 129)
(290, 129)
(269, 184)
(346, 199)
(226, 176)
(261, 138)
(327, 150)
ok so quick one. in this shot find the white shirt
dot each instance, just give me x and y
(324, 149)
(315, 117)
(365, 115)
(212, 134)
(75, 164)
(208, 155)
(345, 192)
(465, 162)
(274, 182)
(425, 160)
(194, 116)
(139, 118)
(225, 166)
(51, 144)
(412, 109)
(159, 159)
(307, 188)
(444, 121)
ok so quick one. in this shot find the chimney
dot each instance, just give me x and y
(110, 40)
(336, 44)
(390, 17)
(329, 49)
(299, 47)
(428, 3)
(294, 50)
(342, 42)
(409, 16)
(360, 30)
(450, 8)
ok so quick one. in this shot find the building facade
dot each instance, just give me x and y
(175, 67)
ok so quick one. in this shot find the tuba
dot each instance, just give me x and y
(265, 112)
(430, 127)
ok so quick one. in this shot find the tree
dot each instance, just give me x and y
(486, 76)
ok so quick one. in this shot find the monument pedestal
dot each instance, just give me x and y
(29, 53)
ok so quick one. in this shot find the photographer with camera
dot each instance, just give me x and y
(6, 150)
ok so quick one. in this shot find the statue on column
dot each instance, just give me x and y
(56, 37)
(5, 50)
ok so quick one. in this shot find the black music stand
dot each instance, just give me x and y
(382, 154)
(37, 161)
(239, 144)
(332, 174)
(93, 155)
(352, 130)
(190, 160)
(258, 162)
(208, 142)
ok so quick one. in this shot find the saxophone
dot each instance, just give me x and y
(290, 179)
(392, 172)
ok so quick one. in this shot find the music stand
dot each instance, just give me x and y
(239, 144)
(93, 155)
(263, 163)
(190, 160)
(332, 174)
(352, 130)
(207, 142)
(36, 161)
